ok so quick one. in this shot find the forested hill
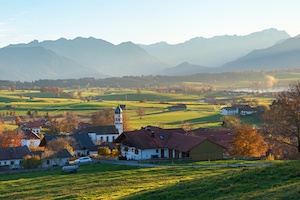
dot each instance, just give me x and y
(232, 79)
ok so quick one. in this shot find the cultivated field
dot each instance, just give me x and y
(156, 112)
(196, 181)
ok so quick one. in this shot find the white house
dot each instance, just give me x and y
(241, 109)
(30, 139)
(166, 143)
(12, 157)
(34, 126)
(101, 133)
(229, 111)
(83, 144)
(60, 158)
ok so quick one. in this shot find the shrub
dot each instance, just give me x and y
(270, 157)
(143, 100)
(115, 152)
(104, 151)
(31, 161)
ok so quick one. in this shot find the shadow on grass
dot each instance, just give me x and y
(273, 182)
(88, 169)
(199, 120)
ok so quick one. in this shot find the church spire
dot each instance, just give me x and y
(119, 119)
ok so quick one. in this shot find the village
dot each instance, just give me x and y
(148, 143)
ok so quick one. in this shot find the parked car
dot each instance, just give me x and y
(83, 160)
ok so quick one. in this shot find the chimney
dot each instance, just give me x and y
(152, 134)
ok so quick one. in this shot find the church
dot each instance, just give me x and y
(106, 133)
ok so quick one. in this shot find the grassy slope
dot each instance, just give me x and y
(104, 181)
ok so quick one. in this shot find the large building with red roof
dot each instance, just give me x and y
(153, 142)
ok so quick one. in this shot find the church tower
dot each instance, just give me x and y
(118, 119)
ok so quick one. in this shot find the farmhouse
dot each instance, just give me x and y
(229, 111)
(177, 107)
(12, 157)
(30, 139)
(101, 133)
(238, 109)
(222, 137)
(164, 143)
(34, 126)
(84, 145)
(60, 158)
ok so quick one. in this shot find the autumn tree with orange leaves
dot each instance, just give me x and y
(282, 121)
(10, 138)
(247, 142)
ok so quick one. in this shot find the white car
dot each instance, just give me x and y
(83, 160)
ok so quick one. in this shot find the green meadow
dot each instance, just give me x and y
(156, 112)
(199, 181)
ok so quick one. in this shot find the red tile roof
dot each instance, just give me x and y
(35, 124)
(159, 138)
(28, 134)
(222, 137)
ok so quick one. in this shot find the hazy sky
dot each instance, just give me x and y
(142, 21)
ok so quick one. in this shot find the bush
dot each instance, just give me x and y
(115, 152)
(104, 151)
(270, 157)
(143, 100)
(31, 161)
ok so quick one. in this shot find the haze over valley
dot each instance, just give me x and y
(90, 57)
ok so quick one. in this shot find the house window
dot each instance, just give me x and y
(48, 162)
(136, 151)
(156, 150)
(113, 138)
(12, 163)
(107, 139)
(101, 138)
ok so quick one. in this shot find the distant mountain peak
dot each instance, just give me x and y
(217, 50)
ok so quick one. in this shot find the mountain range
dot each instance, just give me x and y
(90, 57)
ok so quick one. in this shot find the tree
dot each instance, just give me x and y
(140, 112)
(230, 121)
(18, 120)
(282, 121)
(126, 120)
(69, 123)
(53, 127)
(246, 141)
(28, 113)
(62, 143)
(187, 126)
(103, 117)
(1, 128)
(143, 100)
(8, 138)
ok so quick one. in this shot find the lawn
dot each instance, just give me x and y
(105, 181)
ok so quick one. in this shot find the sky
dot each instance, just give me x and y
(142, 21)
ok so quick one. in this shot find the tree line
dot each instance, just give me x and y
(256, 78)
